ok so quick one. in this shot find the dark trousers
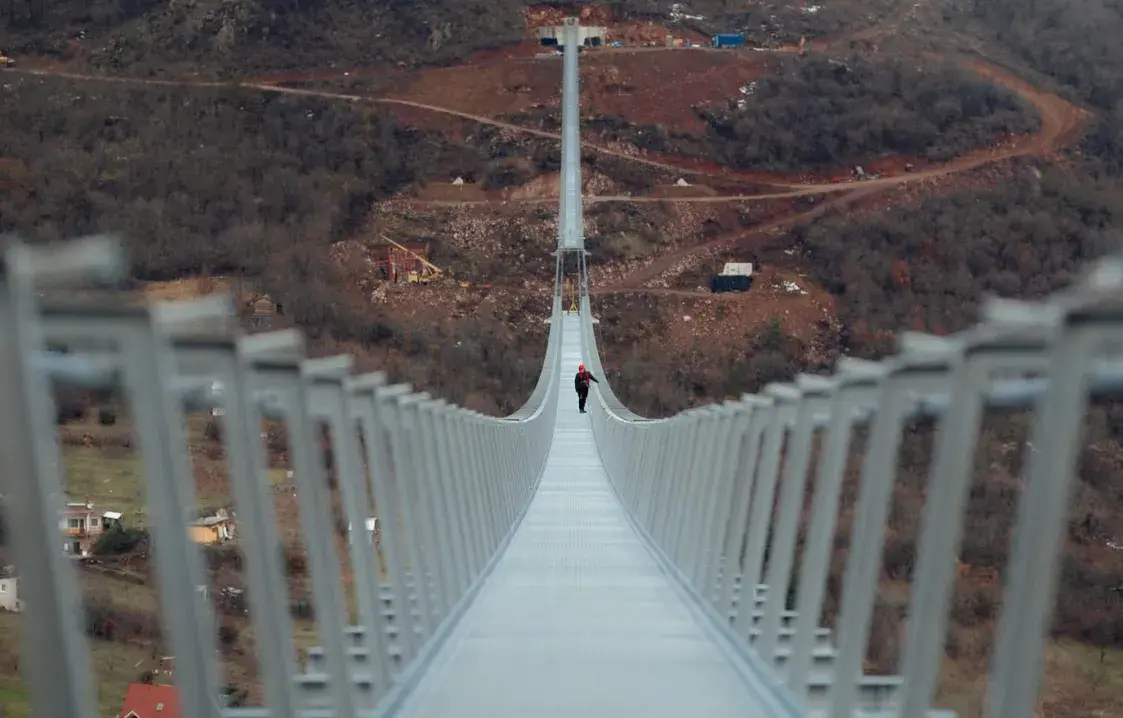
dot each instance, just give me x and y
(582, 395)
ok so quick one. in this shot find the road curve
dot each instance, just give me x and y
(1059, 119)
(1060, 122)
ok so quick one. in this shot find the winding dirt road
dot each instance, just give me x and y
(1060, 122)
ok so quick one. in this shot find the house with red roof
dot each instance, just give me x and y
(150, 701)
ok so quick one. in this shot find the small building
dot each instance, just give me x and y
(372, 531)
(734, 277)
(9, 590)
(394, 263)
(213, 529)
(82, 525)
(143, 700)
(587, 36)
(263, 310)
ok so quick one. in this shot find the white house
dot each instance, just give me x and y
(372, 530)
(9, 590)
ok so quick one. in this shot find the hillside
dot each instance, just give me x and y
(271, 149)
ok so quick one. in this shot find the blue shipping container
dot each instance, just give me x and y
(730, 283)
(727, 40)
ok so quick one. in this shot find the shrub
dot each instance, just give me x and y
(822, 111)
(212, 431)
(71, 405)
(227, 635)
(975, 603)
(117, 540)
(106, 416)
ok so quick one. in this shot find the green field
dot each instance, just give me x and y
(114, 665)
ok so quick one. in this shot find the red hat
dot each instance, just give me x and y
(581, 367)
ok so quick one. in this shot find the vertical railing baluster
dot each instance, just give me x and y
(55, 657)
(694, 484)
(716, 492)
(288, 380)
(781, 555)
(418, 573)
(368, 392)
(1088, 328)
(225, 357)
(761, 417)
(859, 385)
(924, 370)
(328, 399)
(786, 400)
(435, 429)
(986, 351)
(148, 368)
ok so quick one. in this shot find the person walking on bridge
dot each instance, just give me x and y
(581, 383)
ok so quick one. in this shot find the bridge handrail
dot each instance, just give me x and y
(702, 486)
(449, 485)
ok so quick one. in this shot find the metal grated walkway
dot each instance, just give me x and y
(577, 618)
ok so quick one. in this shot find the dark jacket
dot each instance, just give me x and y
(582, 379)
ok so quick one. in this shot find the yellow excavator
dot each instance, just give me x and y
(428, 271)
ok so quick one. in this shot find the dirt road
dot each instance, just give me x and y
(664, 262)
(1060, 122)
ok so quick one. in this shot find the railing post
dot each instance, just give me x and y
(859, 387)
(922, 371)
(682, 482)
(985, 352)
(369, 393)
(286, 378)
(55, 656)
(669, 476)
(435, 426)
(694, 485)
(413, 515)
(816, 392)
(762, 414)
(224, 357)
(328, 399)
(716, 493)
(767, 470)
(1087, 328)
(148, 373)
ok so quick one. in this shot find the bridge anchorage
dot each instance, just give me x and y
(546, 563)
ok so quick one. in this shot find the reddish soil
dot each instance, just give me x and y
(469, 93)
(721, 321)
(668, 261)
(501, 88)
(659, 88)
(469, 192)
(663, 88)
(676, 192)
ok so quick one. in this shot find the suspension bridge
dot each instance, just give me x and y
(549, 563)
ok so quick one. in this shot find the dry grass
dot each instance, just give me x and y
(1078, 684)
(111, 475)
(114, 666)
